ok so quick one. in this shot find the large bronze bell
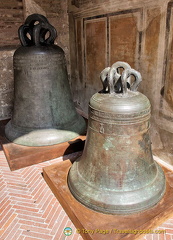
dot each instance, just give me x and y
(44, 113)
(116, 173)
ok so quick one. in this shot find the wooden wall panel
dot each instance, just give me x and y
(152, 36)
(95, 51)
(151, 48)
(169, 84)
(124, 38)
(79, 3)
(168, 94)
(79, 46)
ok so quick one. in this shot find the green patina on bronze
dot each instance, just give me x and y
(116, 173)
(44, 113)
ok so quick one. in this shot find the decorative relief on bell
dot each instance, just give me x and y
(102, 130)
(116, 173)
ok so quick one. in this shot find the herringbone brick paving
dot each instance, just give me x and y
(29, 210)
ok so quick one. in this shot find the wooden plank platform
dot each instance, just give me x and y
(19, 156)
(103, 226)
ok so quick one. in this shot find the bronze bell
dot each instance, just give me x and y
(44, 113)
(116, 173)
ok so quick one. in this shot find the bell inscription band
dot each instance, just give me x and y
(44, 113)
(116, 173)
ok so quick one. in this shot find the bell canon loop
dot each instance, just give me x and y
(116, 173)
(43, 113)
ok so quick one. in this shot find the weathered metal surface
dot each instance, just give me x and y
(116, 173)
(44, 113)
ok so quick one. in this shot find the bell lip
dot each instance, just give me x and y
(122, 209)
(36, 137)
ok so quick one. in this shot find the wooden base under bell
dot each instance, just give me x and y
(22, 156)
(19, 156)
(105, 226)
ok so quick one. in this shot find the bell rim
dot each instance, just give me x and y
(17, 135)
(123, 209)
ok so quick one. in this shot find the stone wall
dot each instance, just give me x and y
(6, 82)
(11, 17)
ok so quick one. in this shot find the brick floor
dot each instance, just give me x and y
(29, 210)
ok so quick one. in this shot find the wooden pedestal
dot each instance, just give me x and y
(105, 226)
(19, 156)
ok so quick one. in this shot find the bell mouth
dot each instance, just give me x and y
(40, 137)
(116, 202)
